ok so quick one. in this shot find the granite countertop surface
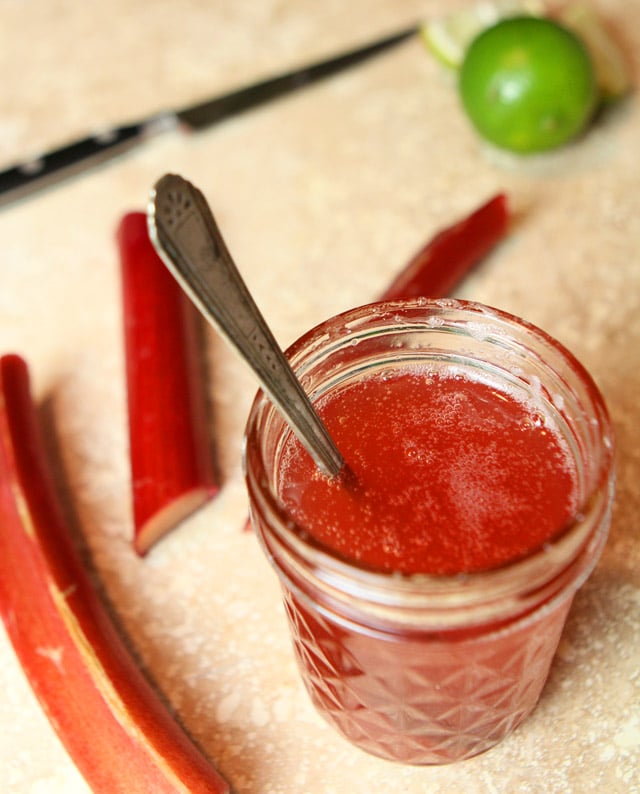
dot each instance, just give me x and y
(322, 196)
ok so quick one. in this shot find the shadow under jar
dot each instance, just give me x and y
(423, 667)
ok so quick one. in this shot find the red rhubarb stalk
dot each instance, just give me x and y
(112, 722)
(169, 440)
(447, 258)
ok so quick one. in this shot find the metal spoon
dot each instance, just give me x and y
(187, 238)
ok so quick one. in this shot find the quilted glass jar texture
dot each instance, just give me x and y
(430, 669)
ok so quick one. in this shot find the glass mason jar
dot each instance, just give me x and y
(427, 669)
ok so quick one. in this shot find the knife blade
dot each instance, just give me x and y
(24, 178)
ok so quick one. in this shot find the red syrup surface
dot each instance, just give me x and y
(451, 475)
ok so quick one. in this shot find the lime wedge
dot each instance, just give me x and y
(611, 66)
(448, 37)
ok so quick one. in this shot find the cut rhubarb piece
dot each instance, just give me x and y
(110, 719)
(172, 468)
(449, 256)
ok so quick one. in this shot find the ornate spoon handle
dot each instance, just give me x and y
(186, 236)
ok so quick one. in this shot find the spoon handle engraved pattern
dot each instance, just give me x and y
(187, 238)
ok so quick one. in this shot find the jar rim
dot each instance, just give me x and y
(538, 567)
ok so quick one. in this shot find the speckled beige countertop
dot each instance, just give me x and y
(323, 197)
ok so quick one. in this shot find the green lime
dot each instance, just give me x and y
(528, 84)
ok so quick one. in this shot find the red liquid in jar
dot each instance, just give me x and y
(453, 472)
(453, 475)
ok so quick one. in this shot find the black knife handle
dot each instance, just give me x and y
(18, 180)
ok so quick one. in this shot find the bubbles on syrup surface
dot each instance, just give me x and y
(441, 457)
(532, 421)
